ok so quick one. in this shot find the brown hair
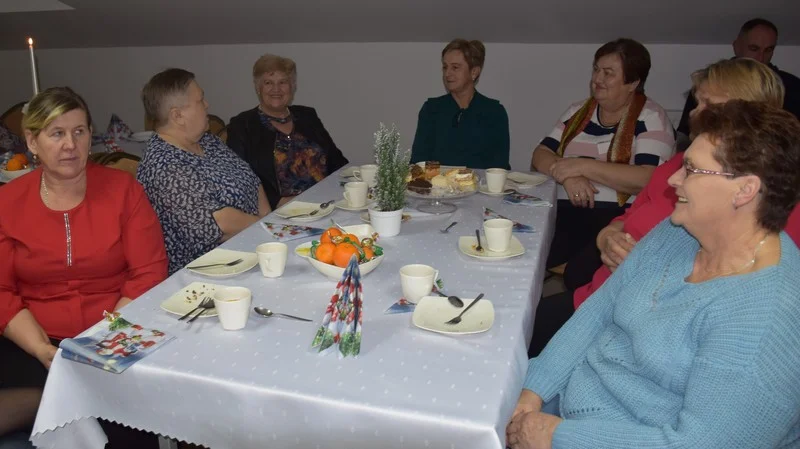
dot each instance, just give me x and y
(635, 59)
(743, 79)
(51, 104)
(474, 52)
(755, 138)
(161, 89)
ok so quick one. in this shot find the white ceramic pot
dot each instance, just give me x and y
(386, 224)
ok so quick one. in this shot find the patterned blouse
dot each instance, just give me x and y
(299, 162)
(186, 189)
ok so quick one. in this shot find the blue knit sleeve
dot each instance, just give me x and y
(742, 390)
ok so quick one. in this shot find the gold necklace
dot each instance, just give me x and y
(46, 196)
(749, 264)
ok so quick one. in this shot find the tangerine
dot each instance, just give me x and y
(14, 165)
(22, 158)
(324, 252)
(352, 237)
(327, 236)
(341, 257)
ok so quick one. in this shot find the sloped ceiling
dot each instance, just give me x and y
(115, 23)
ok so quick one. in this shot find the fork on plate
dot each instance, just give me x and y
(221, 264)
(205, 304)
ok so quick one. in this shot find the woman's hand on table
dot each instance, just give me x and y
(44, 353)
(567, 167)
(615, 248)
(581, 191)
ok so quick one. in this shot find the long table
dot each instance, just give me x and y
(265, 387)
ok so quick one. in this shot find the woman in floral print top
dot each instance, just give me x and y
(202, 192)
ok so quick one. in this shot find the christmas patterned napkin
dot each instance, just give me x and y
(405, 306)
(341, 325)
(525, 200)
(287, 232)
(518, 227)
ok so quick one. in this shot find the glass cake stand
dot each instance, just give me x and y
(435, 202)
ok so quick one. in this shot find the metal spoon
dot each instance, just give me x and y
(263, 311)
(454, 300)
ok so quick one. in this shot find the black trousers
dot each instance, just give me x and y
(552, 312)
(18, 369)
(577, 228)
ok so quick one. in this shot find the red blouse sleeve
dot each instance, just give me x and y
(10, 302)
(143, 243)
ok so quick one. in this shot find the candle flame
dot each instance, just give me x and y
(30, 41)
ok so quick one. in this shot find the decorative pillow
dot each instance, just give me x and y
(10, 141)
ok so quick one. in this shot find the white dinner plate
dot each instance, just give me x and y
(523, 180)
(301, 207)
(219, 255)
(141, 136)
(342, 204)
(484, 189)
(432, 312)
(190, 297)
(467, 245)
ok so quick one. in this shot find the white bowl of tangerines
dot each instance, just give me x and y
(332, 252)
(16, 166)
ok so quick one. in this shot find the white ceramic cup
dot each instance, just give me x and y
(356, 193)
(233, 307)
(417, 281)
(366, 173)
(272, 258)
(498, 234)
(496, 179)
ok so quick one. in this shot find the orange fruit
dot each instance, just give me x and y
(328, 234)
(353, 239)
(341, 257)
(325, 252)
(14, 165)
(22, 158)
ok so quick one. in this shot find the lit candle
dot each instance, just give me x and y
(33, 67)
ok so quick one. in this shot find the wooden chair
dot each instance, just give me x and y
(216, 126)
(12, 119)
(119, 160)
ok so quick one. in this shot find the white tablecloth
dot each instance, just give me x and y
(265, 387)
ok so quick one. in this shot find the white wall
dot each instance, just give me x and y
(354, 86)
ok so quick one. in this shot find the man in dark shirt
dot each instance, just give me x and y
(757, 40)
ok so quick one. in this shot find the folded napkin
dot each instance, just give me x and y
(287, 232)
(405, 306)
(525, 200)
(518, 227)
(341, 325)
(113, 344)
(117, 129)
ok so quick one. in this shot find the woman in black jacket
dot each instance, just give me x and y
(287, 146)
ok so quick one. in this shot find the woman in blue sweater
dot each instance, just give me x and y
(694, 342)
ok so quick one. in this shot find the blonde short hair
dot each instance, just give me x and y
(474, 53)
(51, 104)
(743, 79)
(269, 63)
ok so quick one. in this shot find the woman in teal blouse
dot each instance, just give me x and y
(462, 127)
